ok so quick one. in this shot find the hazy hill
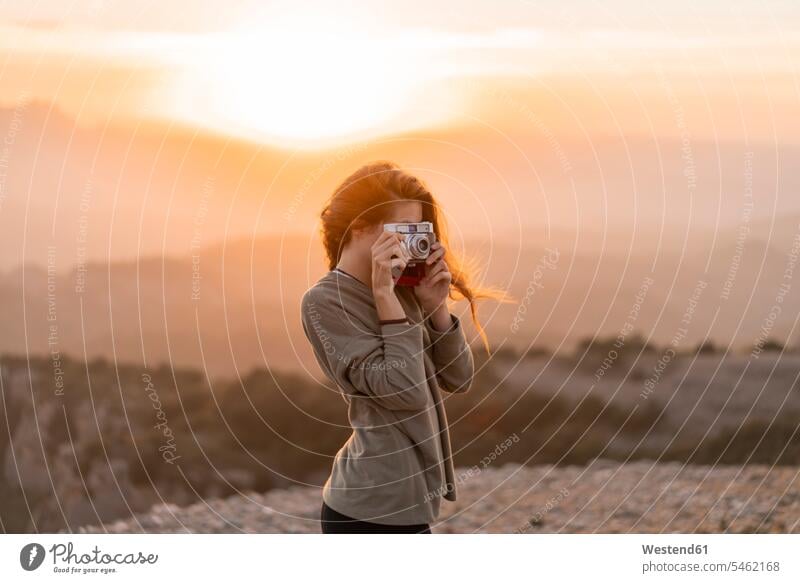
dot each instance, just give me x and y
(124, 190)
(236, 306)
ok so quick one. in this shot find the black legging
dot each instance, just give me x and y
(335, 523)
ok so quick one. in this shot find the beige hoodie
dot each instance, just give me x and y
(397, 464)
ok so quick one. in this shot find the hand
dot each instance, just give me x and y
(388, 256)
(434, 288)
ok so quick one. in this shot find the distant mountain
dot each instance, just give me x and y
(236, 306)
(124, 190)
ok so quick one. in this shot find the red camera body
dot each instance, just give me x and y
(412, 275)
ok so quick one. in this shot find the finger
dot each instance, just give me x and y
(382, 238)
(428, 279)
(440, 277)
(397, 267)
(435, 255)
(398, 262)
(390, 247)
(402, 251)
(434, 269)
(386, 239)
(392, 251)
(396, 241)
(395, 252)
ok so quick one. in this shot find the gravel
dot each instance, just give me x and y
(602, 497)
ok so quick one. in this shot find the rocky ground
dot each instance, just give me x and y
(605, 497)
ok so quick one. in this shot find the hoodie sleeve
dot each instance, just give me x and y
(386, 366)
(452, 357)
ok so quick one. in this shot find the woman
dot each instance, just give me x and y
(389, 349)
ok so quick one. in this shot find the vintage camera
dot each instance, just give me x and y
(418, 240)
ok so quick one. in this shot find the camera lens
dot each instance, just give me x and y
(418, 246)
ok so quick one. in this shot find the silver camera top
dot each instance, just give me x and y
(409, 228)
(418, 238)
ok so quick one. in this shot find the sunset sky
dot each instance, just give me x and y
(324, 73)
(619, 120)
